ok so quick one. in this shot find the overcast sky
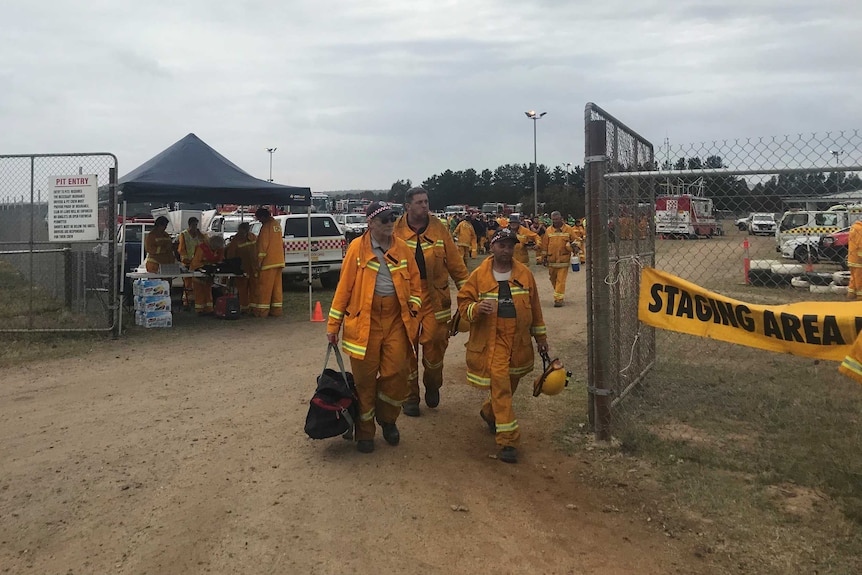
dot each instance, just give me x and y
(357, 94)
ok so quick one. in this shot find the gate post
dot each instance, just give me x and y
(598, 268)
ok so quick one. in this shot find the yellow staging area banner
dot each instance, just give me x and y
(823, 330)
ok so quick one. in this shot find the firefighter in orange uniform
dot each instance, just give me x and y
(209, 252)
(558, 243)
(466, 239)
(159, 246)
(525, 238)
(854, 261)
(190, 238)
(267, 300)
(501, 302)
(243, 245)
(437, 259)
(377, 300)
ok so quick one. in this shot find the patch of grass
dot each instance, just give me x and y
(762, 449)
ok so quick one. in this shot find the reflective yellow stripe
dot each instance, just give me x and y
(520, 291)
(335, 314)
(353, 347)
(538, 330)
(557, 265)
(521, 370)
(461, 283)
(415, 300)
(444, 315)
(367, 416)
(385, 398)
(374, 265)
(504, 427)
(429, 365)
(854, 367)
(478, 380)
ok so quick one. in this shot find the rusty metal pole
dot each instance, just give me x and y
(598, 269)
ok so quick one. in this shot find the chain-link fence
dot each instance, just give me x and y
(757, 219)
(51, 281)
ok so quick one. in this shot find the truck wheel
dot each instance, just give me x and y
(329, 280)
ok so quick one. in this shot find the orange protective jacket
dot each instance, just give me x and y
(270, 245)
(351, 304)
(483, 328)
(159, 247)
(188, 243)
(442, 259)
(556, 245)
(466, 234)
(525, 236)
(246, 250)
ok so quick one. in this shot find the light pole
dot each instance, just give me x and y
(535, 116)
(837, 154)
(568, 169)
(271, 152)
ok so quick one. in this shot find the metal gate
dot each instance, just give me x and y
(772, 180)
(620, 239)
(54, 286)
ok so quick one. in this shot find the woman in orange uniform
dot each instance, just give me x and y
(377, 300)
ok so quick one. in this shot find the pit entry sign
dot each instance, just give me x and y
(73, 214)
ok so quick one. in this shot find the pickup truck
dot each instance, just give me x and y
(327, 244)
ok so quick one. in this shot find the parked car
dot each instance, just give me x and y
(802, 249)
(761, 223)
(742, 223)
(327, 244)
(353, 225)
(833, 247)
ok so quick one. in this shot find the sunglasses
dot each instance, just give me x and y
(389, 219)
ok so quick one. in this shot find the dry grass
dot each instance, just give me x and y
(750, 456)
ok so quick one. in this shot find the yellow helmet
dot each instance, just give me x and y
(553, 379)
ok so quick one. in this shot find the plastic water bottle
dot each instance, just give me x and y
(576, 263)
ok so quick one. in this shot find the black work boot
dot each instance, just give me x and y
(410, 408)
(365, 445)
(492, 427)
(432, 397)
(508, 455)
(391, 433)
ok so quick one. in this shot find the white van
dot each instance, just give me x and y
(327, 242)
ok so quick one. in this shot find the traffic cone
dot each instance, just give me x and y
(318, 313)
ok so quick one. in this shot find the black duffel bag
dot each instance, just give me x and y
(333, 409)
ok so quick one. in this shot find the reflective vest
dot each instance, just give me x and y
(188, 243)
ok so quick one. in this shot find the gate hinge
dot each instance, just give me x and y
(591, 159)
(597, 391)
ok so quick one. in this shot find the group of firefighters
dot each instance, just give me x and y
(261, 257)
(393, 302)
(554, 244)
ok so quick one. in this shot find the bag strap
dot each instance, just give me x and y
(330, 348)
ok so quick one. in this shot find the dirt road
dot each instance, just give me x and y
(182, 451)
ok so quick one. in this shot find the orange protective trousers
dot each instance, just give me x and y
(433, 339)
(498, 406)
(203, 295)
(268, 298)
(381, 378)
(244, 289)
(558, 277)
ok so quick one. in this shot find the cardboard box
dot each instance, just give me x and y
(146, 288)
(152, 303)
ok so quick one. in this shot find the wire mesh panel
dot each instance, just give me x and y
(52, 282)
(763, 220)
(620, 238)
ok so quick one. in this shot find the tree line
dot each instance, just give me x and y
(563, 190)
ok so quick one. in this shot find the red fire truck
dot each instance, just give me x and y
(683, 211)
